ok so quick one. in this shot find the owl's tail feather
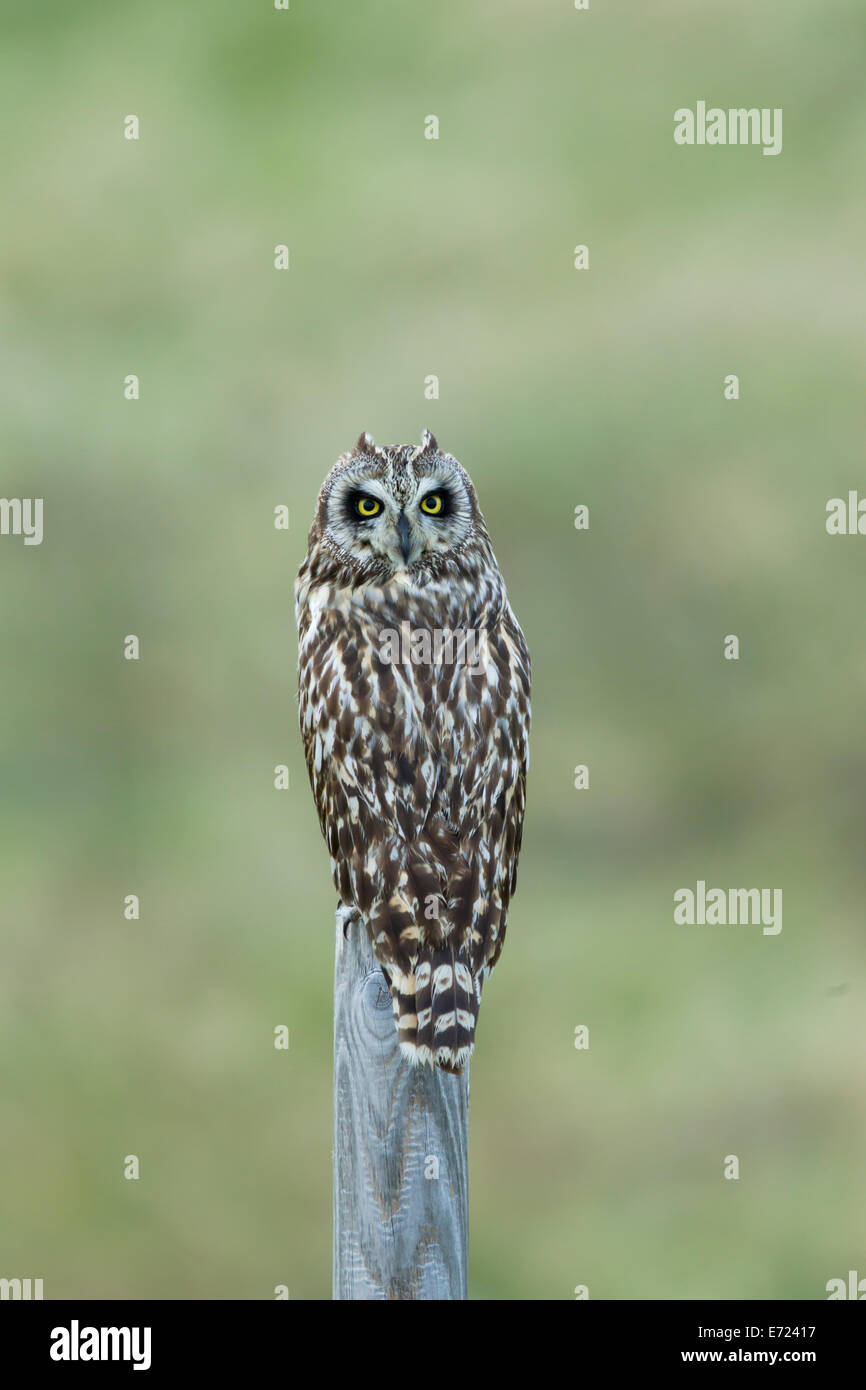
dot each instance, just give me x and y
(436, 1010)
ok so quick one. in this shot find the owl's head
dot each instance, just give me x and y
(404, 507)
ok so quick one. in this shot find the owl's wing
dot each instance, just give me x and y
(374, 775)
(487, 796)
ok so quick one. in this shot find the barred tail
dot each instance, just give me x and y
(436, 1010)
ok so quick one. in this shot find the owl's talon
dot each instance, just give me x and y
(345, 916)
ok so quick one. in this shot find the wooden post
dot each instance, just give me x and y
(400, 1148)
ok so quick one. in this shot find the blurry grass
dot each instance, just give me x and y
(601, 1167)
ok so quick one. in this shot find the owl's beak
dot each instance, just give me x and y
(404, 531)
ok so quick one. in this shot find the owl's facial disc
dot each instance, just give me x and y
(366, 519)
(439, 513)
(368, 522)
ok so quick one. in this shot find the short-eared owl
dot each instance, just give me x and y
(414, 710)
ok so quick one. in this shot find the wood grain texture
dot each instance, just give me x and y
(400, 1148)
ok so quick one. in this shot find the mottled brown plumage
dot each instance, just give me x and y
(414, 710)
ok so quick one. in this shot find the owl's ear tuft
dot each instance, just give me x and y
(428, 441)
(365, 444)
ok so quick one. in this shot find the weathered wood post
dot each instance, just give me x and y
(400, 1149)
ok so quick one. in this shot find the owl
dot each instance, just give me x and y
(413, 679)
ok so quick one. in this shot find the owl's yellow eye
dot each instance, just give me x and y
(368, 506)
(432, 503)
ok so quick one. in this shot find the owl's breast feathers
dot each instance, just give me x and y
(417, 751)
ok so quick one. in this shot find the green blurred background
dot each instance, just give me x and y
(412, 257)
